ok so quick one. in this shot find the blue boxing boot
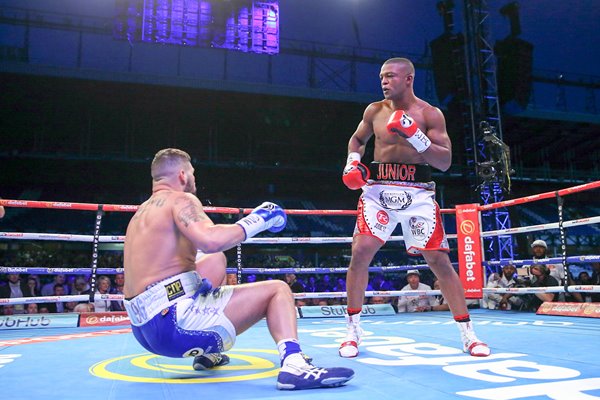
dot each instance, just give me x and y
(209, 361)
(297, 374)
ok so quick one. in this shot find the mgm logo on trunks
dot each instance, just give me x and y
(395, 200)
(174, 290)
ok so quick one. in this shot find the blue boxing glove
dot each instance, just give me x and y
(267, 216)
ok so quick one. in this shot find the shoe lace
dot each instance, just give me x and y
(215, 358)
(310, 371)
(307, 358)
(470, 338)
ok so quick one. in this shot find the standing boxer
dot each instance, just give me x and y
(410, 138)
(176, 313)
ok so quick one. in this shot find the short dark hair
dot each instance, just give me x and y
(167, 158)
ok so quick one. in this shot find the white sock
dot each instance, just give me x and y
(288, 347)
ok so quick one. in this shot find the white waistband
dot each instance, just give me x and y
(161, 295)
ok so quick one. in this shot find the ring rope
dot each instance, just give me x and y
(291, 240)
(291, 270)
(260, 270)
(321, 295)
(550, 260)
(541, 196)
(58, 205)
(231, 210)
(542, 227)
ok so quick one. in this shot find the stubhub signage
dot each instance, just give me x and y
(340, 311)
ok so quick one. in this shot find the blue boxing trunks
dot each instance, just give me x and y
(179, 317)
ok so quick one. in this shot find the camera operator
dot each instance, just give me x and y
(539, 248)
(541, 278)
(506, 301)
(557, 271)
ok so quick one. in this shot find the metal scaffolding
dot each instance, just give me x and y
(483, 107)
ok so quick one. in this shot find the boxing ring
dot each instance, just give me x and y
(72, 355)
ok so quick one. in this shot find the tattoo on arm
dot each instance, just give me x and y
(190, 212)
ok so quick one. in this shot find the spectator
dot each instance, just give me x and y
(379, 283)
(311, 285)
(58, 307)
(585, 279)
(32, 287)
(69, 306)
(31, 308)
(293, 283)
(595, 280)
(540, 249)
(48, 288)
(379, 300)
(542, 278)
(15, 287)
(324, 284)
(8, 309)
(117, 305)
(340, 285)
(2, 211)
(440, 303)
(83, 307)
(43, 309)
(231, 279)
(301, 302)
(38, 286)
(80, 286)
(321, 302)
(505, 301)
(415, 303)
(102, 305)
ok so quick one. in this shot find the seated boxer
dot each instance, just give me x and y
(174, 311)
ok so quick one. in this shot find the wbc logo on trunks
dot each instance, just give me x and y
(395, 200)
(418, 227)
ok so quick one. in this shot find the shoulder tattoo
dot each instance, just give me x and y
(189, 212)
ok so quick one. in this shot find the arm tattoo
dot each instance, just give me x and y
(190, 212)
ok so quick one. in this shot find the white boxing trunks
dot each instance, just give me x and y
(182, 316)
(399, 194)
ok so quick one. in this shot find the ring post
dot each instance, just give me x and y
(238, 249)
(563, 240)
(95, 241)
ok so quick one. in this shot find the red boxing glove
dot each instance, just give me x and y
(356, 173)
(403, 125)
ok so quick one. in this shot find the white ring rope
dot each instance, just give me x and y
(289, 240)
(323, 295)
(542, 227)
